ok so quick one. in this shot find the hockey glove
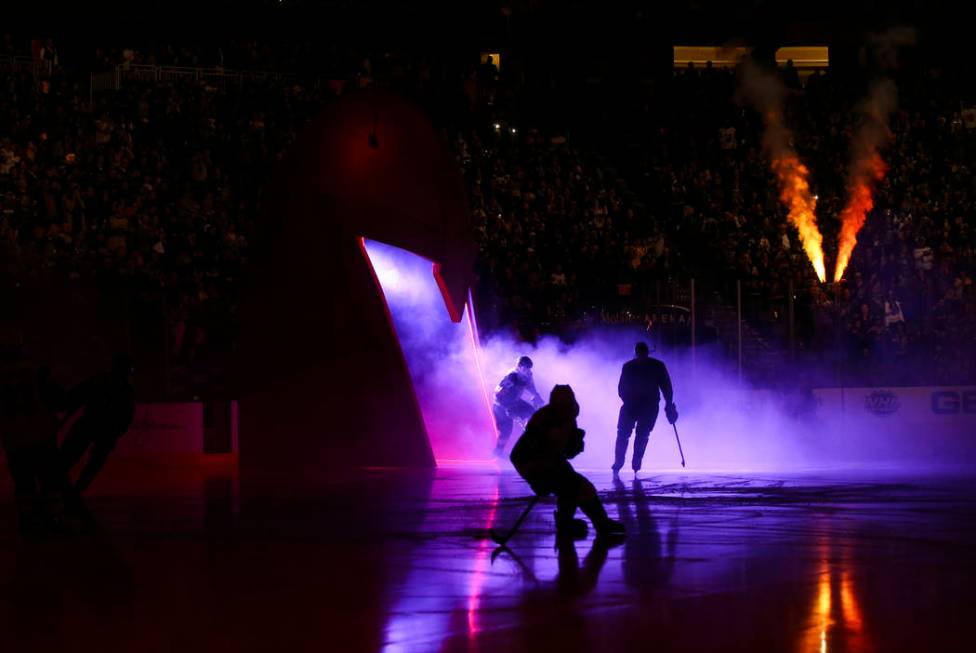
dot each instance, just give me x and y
(672, 412)
(575, 445)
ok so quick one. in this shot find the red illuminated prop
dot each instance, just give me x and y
(327, 386)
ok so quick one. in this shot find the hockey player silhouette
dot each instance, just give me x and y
(509, 404)
(541, 456)
(642, 382)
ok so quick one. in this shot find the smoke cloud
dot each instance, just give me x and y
(726, 426)
(867, 167)
(886, 45)
(440, 355)
(723, 426)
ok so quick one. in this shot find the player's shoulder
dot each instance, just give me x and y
(642, 362)
(538, 419)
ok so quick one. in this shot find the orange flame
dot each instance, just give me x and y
(867, 171)
(795, 194)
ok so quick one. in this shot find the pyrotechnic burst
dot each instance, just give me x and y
(765, 92)
(867, 168)
(795, 194)
(860, 202)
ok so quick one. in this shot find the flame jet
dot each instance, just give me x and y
(765, 92)
(795, 194)
(867, 168)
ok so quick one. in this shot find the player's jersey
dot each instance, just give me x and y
(644, 380)
(511, 387)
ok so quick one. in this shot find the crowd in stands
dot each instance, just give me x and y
(905, 310)
(555, 230)
(559, 238)
(143, 197)
(149, 193)
(145, 194)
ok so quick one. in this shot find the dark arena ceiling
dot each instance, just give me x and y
(570, 24)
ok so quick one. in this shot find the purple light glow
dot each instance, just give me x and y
(482, 568)
(441, 355)
(725, 426)
(728, 426)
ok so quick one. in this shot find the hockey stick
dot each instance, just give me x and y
(502, 539)
(679, 444)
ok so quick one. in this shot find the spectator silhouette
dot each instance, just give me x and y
(28, 430)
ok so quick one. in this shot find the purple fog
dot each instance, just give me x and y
(439, 353)
(725, 425)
